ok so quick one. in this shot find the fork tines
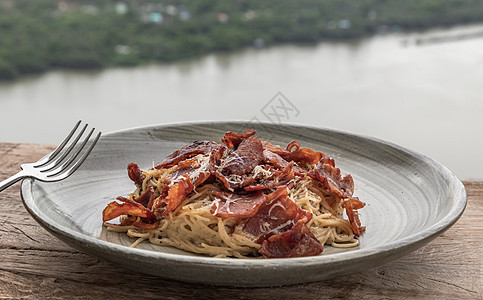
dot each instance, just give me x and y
(69, 155)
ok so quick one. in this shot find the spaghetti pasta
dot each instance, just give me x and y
(246, 198)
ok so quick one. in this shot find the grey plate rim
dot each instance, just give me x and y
(411, 242)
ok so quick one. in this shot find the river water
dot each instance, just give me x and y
(413, 89)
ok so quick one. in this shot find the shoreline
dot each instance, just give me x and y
(421, 41)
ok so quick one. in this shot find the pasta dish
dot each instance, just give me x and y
(243, 198)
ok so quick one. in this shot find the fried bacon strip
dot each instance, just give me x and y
(353, 217)
(177, 193)
(277, 214)
(189, 167)
(274, 159)
(135, 174)
(245, 158)
(331, 178)
(137, 222)
(279, 162)
(343, 187)
(242, 180)
(234, 170)
(296, 242)
(128, 207)
(142, 225)
(302, 155)
(226, 204)
(232, 139)
(279, 178)
(190, 150)
(185, 178)
(274, 148)
(146, 198)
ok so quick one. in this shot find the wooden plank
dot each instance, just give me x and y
(35, 264)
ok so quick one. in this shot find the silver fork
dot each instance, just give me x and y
(60, 163)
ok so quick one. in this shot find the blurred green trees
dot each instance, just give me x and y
(42, 34)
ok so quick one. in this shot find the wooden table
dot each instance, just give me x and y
(35, 264)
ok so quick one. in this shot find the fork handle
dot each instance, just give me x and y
(9, 181)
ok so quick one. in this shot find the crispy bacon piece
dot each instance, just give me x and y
(356, 203)
(225, 181)
(296, 242)
(277, 214)
(278, 161)
(135, 174)
(331, 178)
(215, 158)
(202, 177)
(279, 178)
(293, 152)
(280, 157)
(274, 148)
(190, 167)
(302, 155)
(327, 160)
(274, 159)
(242, 180)
(177, 193)
(137, 222)
(128, 220)
(141, 225)
(232, 139)
(128, 207)
(343, 187)
(245, 158)
(353, 217)
(189, 174)
(228, 204)
(190, 150)
(293, 144)
(184, 168)
(146, 198)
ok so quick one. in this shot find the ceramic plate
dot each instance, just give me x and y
(411, 199)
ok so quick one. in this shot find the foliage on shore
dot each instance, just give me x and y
(42, 34)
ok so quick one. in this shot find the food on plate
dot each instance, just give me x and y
(241, 198)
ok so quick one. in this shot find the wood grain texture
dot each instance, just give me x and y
(34, 264)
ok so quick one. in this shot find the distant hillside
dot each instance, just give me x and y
(42, 34)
